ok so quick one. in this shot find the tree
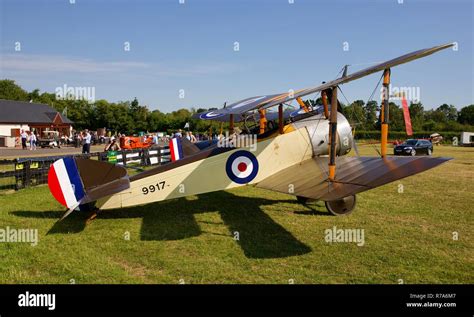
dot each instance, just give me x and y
(356, 114)
(466, 115)
(396, 119)
(130, 117)
(34, 96)
(436, 116)
(371, 109)
(449, 111)
(11, 91)
(416, 115)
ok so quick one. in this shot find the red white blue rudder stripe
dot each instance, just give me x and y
(65, 182)
(176, 149)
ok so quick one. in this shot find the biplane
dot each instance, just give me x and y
(300, 151)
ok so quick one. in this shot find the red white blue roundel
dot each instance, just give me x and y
(210, 115)
(242, 167)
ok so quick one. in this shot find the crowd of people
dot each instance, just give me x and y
(86, 138)
(188, 135)
(28, 138)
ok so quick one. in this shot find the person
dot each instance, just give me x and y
(77, 139)
(112, 145)
(178, 134)
(32, 141)
(24, 136)
(86, 147)
(192, 137)
(188, 135)
(94, 137)
(155, 138)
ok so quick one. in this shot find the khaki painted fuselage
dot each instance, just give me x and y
(207, 175)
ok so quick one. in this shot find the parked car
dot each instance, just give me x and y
(413, 147)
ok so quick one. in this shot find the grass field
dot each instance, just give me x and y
(410, 237)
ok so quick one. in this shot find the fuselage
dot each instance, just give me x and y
(219, 168)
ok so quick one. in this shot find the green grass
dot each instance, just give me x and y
(408, 236)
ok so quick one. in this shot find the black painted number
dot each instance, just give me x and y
(153, 188)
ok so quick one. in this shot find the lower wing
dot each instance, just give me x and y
(353, 175)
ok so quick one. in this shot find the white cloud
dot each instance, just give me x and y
(24, 64)
(49, 63)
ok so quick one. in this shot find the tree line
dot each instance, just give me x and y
(131, 117)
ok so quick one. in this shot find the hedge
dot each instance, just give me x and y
(401, 135)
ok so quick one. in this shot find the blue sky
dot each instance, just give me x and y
(190, 47)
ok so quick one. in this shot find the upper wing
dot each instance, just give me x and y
(266, 101)
(238, 107)
(354, 175)
(224, 116)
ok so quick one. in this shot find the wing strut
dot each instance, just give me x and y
(324, 98)
(385, 112)
(281, 124)
(333, 135)
(231, 123)
(302, 104)
(263, 120)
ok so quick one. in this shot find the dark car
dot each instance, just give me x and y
(413, 147)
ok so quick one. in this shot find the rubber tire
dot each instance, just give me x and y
(429, 152)
(413, 152)
(334, 206)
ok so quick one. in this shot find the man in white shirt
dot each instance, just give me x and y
(24, 136)
(86, 147)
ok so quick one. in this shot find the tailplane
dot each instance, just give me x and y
(75, 181)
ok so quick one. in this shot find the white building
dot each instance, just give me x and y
(16, 116)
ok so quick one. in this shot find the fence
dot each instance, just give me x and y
(25, 172)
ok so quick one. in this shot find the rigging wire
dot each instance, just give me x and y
(355, 114)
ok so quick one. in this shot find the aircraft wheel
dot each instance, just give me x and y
(342, 206)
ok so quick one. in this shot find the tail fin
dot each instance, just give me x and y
(75, 181)
(181, 147)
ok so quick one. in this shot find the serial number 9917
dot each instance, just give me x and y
(153, 188)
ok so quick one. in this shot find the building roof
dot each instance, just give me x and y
(12, 111)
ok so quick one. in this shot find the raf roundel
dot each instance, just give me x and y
(242, 167)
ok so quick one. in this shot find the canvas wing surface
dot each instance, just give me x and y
(354, 175)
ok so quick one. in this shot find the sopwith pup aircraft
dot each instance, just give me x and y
(301, 152)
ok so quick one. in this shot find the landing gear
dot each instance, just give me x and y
(92, 216)
(342, 206)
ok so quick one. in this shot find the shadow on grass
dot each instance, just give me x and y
(74, 223)
(314, 209)
(259, 236)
